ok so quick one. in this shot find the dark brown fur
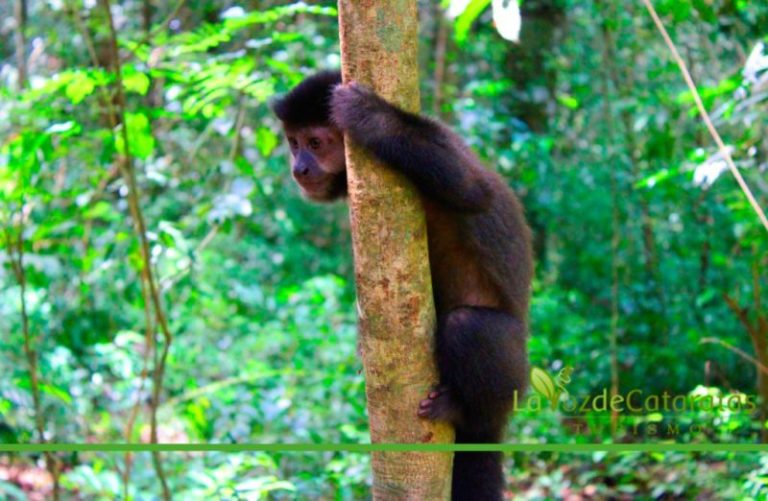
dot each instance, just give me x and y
(479, 252)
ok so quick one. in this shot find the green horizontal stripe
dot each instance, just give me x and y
(666, 447)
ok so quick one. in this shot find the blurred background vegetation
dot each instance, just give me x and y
(650, 262)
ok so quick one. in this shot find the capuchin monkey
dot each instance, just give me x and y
(479, 253)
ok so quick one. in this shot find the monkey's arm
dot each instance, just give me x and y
(431, 156)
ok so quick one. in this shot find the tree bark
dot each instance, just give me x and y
(396, 310)
(20, 12)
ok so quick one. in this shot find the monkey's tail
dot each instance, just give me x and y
(477, 476)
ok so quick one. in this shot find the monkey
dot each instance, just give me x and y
(480, 254)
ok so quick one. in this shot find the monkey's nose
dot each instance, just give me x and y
(301, 170)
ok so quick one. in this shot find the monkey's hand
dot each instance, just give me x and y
(354, 107)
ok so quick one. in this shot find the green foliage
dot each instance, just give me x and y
(465, 20)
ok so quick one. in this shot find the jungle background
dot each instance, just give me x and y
(650, 264)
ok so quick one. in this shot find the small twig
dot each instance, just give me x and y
(126, 165)
(20, 13)
(238, 128)
(711, 340)
(16, 256)
(741, 314)
(441, 42)
(615, 215)
(149, 337)
(149, 348)
(705, 116)
(160, 27)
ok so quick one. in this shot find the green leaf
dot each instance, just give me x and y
(655, 178)
(263, 485)
(266, 141)
(62, 127)
(490, 88)
(569, 102)
(56, 392)
(100, 210)
(464, 22)
(140, 138)
(79, 87)
(135, 81)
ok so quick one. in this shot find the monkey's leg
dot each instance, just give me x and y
(482, 358)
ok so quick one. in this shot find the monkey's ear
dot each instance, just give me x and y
(308, 104)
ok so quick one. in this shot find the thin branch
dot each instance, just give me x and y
(741, 314)
(17, 262)
(616, 233)
(150, 347)
(20, 12)
(16, 256)
(705, 116)
(237, 142)
(164, 24)
(756, 285)
(711, 340)
(149, 336)
(126, 165)
(441, 43)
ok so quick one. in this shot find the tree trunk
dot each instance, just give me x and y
(396, 311)
(20, 12)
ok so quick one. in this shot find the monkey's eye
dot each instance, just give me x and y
(293, 143)
(314, 143)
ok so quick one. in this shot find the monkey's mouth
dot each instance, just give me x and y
(312, 185)
(313, 190)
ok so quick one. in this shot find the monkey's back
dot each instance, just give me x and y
(483, 258)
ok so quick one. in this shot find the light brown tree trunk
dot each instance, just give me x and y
(397, 319)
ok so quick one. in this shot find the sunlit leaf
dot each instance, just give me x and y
(135, 81)
(266, 141)
(100, 210)
(756, 68)
(490, 88)
(506, 16)
(708, 172)
(464, 22)
(656, 178)
(263, 485)
(64, 128)
(569, 102)
(56, 392)
(80, 87)
(140, 138)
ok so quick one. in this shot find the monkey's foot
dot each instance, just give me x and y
(439, 406)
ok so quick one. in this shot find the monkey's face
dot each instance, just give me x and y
(317, 161)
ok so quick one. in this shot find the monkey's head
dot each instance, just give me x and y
(317, 146)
